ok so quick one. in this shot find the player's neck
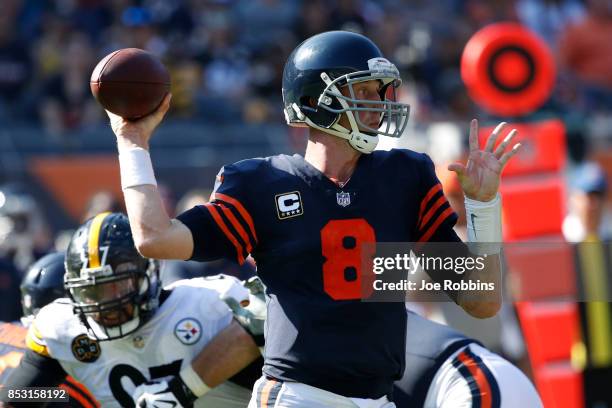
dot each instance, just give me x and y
(331, 155)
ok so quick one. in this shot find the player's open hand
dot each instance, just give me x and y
(481, 176)
(136, 133)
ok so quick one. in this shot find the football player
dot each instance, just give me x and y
(41, 285)
(446, 369)
(129, 341)
(305, 221)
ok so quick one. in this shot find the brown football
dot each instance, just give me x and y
(130, 82)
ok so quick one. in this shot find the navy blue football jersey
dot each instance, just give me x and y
(306, 234)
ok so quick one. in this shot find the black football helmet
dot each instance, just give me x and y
(114, 290)
(320, 66)
(42, 284)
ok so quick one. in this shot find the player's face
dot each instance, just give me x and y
(117, 317)
(367, 90)
(114, 294)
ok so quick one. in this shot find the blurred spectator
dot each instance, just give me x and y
(47, 51)
(586, 51)
(132, 26)
(263, 22)
(89, 16)
(67, 103)
(482, 12)
(24, 234)
(315, 18)
(350, 15)
(226, 78)
(10, 303)
(15, 62)
(548, 18)
(102, 201)
(186, 83)
(142, 31)
(587, 204)
(592, 351)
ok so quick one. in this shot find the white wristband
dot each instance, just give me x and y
(136, 168)
(484, 223)
(193, 381)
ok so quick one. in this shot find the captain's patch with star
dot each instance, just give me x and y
(188, 331)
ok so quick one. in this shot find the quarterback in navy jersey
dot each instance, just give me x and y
(305, 221)
(294, 221)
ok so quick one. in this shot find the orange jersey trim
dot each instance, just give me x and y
(265, 393)
(479, 376)
(432, 229)
(245, 214)
(237, 226)
(439, 202)
(432, 191)
(214, 212)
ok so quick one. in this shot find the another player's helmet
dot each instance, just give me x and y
(320, 66)
(42, 284)
(114, 290)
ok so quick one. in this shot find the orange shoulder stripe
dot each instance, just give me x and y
(245, 214)
(237, 226)
(432, 229)
(439, 202)
(432, 191)
(214, 212)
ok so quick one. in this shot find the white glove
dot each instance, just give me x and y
(163, 394)
(253, 316)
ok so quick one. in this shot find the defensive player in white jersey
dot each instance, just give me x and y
(129, 341)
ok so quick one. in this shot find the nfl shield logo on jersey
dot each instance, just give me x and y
(343, 198)
(188, 331)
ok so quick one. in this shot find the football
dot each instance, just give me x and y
(130, 82)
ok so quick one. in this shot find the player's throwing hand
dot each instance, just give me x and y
(136, 133)
(481, 176)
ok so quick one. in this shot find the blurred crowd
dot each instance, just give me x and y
(226, 56)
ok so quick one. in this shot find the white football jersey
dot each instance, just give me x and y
(180, 328)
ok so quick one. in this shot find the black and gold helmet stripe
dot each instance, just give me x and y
(93, 241)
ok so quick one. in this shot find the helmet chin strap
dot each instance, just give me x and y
(104, 333)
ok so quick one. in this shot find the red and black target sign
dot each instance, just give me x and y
(508, 69)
